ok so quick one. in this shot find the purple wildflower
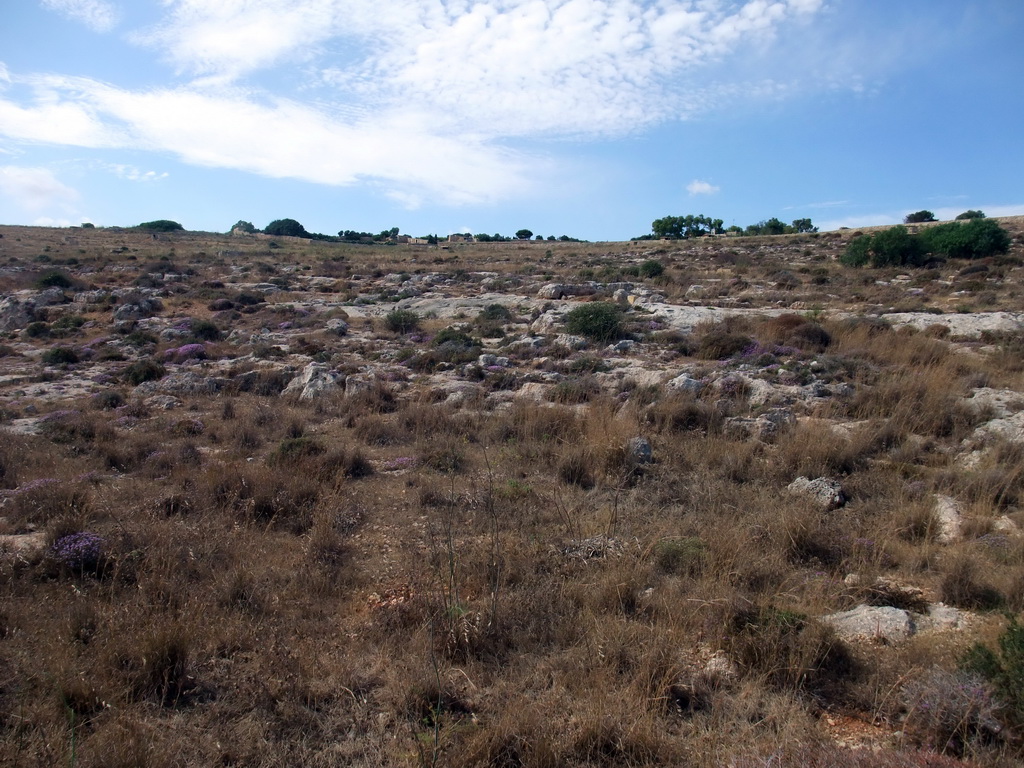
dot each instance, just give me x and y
(78, 551)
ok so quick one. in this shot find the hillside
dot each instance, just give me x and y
(272, 501)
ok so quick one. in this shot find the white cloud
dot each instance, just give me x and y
(131, 173)
(501, 68)
(98, 15)
(413, 96)
(697, 187)
(36, 190)
(281, 139)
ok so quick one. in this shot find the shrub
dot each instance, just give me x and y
(971, 214)
(575, 391)
(294, 449)
(54, 279)
(37, 330)
(204, 330)
(893, 247)
(652, 268)
(401, 321)
(977, 239)
(598, 321)
(953, 708)
(286, 228)
(495, 313)
(161, 225)
(720, 344)
(681, 556)
(1003, 668)
(80, 552)
(144, 370)
(60, 356)
(918, 217)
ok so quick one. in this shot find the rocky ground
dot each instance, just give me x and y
(752, 371)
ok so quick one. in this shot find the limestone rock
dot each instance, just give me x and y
(826, 493)
(182, 383)
(561, 290)
(684, 383)
(870, 622)
(569, 341)
(949, 518)
(15, 314)
(337, 326)
(546, 323)
(316, 380)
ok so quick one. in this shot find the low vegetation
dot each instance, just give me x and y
(322, 504)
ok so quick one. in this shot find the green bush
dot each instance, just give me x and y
(60, 356)
(652, 268)
(976, 239)
(1003, 668)
(894, 247)
(972, 214)
(144, 370)
(401, 321)
(161, 225)
(599, 321)
(682, 556)
(453, 337)
(495, 313)
(54, 279)
(918, 217)
(286, 228)
(294, 449)
(37, 330)
(204, 330)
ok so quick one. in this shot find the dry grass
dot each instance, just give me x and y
(396, 576)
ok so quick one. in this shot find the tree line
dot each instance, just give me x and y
(685, 227)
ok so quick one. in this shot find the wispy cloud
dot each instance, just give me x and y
(697, 187)
(279, 139)
(420, 98)
(131, 173)
(98, 15)
(504, 68)
(37, 191)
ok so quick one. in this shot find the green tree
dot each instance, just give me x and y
(243, 226)
(972, 214)
(681, 227)
(770, 227)
(524, 234)
(286, 228)
(917, 217)
(161, 225)
(803, 225)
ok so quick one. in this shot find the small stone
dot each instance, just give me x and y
(639, 449)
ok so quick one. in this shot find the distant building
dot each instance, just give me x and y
(460, 237)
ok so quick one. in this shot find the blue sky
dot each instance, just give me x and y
(582, 117)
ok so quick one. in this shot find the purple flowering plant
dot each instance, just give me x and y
(81, 552)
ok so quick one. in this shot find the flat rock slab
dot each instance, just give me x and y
(892, 625)
(966, 325)
(869, 622)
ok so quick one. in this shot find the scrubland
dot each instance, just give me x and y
(275, 502)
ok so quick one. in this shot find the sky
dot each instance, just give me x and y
(587, 118)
